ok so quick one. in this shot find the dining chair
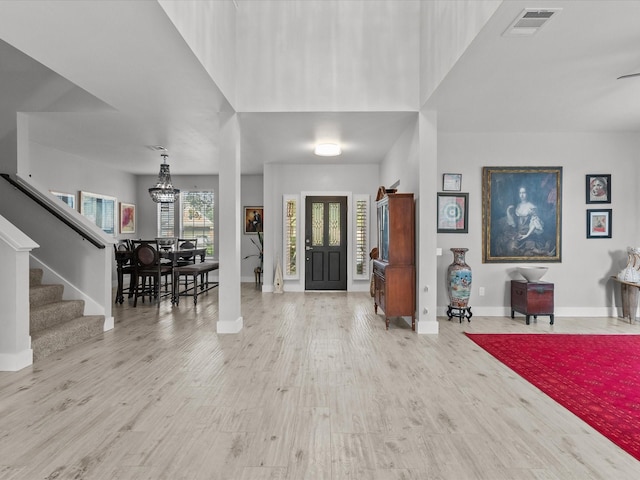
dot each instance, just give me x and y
(146, 261)
(188, 258)
(124, 263)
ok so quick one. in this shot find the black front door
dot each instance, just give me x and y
(326, 243)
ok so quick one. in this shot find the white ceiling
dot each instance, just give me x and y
(147, 88)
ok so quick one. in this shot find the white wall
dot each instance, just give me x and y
(209, 28)
(64, 172)
(318, 178)
(582, 284)
(320, 61)
(251, 195)
(447, 29)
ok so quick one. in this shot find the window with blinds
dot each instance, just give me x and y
(193, 213)
(290, 236)
(361, 237)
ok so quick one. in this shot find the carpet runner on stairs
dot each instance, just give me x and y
(56, 324)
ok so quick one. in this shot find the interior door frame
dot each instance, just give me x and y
(302, 219)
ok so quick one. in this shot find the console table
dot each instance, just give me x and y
(629, 294)
(532, 298)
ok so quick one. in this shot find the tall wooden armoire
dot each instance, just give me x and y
(395, 269)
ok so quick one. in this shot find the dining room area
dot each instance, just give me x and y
(163, 268)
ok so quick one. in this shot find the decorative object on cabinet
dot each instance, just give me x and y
(598, 188)
(452, 182)
(599, 223)
(459, 286)
(453, 212)
(521, 214)
(532, 274)
(253, 219)
(394, 270)
(127, 218)
(532, 298)
(631, 273)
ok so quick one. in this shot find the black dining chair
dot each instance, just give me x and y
(124, 263)
(147, 265)
(187, 258)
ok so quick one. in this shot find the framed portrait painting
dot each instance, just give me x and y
(521, 214)
(127, 218)
(453, 212)
(253, 219)
(599, 223)
(598, 188)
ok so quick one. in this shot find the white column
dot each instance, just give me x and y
(272, 223)
(229, 213)
(426, 292)
(15, 341)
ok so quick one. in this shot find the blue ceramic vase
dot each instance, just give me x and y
(459, 280)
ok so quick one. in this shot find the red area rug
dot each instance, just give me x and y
(597, 377)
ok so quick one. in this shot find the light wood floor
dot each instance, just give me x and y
(312, 388)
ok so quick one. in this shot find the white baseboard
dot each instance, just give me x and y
(12, 362)
(505, 311)
(230, 326)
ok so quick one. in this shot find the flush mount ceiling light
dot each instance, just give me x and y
(327, 150)
(163, 192)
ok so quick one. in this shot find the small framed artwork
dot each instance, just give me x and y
(598, 188)
(101, 210)
(453, 212)
(253, 219)
(452, 182)
(127, 218)
(68, 198)
(599, 223)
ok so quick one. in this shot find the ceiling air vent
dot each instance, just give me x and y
(530, 21)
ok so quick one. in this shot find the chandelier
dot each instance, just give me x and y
(163, 192)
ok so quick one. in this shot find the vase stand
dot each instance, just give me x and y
(460, 312)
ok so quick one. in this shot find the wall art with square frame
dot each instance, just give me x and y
(127, 218)
(599, 223)
(598, 188)
(253, 219)
(452, 182)
(521, 214)
(453, 212)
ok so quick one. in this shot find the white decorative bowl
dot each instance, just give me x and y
(532, 274)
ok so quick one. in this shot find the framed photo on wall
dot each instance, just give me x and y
(68, 198)
(100, 209)
(521, 214)
(453, 212)
(452, 182)
(599, 223)
(253, 219)
(127, 218)
(598, 188)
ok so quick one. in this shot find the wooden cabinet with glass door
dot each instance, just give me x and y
(394, 271)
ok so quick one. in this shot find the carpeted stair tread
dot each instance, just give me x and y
(43, 294)
(51, 314)
(35, 276)
(48, 341)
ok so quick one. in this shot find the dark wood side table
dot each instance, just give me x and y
(629, 294)
(532, 298)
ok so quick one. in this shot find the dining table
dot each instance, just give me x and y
(124, 258)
